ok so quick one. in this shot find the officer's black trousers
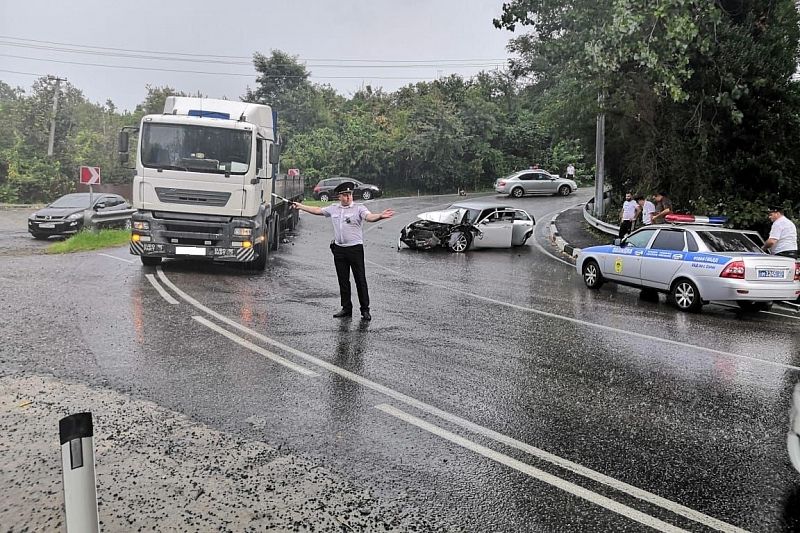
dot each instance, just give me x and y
(348, 258)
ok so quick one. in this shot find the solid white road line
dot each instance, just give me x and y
(466, 424)
(117, 258)
(258, 349)
(656, 340)
(541, 475)
(157, 286)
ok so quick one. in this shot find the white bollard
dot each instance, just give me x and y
(76, 434)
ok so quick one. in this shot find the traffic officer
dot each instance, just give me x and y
(348, 244)
(782, 238)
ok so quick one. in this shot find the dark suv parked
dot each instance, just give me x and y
(324, 189)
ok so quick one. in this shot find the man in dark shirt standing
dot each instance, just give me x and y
(663, 207)
(348, 244)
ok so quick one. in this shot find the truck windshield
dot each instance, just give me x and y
(196, 148)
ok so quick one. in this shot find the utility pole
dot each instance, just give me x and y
(600, 160)
(56, 93)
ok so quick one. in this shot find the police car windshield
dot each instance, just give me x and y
(728, 241)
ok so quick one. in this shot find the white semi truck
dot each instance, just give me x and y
(207, 184)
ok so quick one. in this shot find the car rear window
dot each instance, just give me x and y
(728, 241)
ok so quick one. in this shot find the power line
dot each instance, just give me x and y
(428, 62)
(250, 75)
(243, 63)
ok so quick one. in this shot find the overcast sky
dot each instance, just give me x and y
(402, 41)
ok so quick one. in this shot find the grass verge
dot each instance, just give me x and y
(91, 240)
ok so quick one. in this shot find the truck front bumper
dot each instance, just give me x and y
(214, 253)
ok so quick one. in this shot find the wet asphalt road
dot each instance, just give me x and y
(474, 369)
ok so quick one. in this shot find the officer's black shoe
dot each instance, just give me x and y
(344, 313)
(365, 315)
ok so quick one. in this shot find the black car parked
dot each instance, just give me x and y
(324, 189)
(73, 212)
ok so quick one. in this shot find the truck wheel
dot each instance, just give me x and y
(150, 261)
(275, 232)
(260, 262)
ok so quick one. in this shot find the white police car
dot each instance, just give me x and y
(694, 264)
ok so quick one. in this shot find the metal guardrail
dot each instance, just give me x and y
(605, 227)
(104, 219)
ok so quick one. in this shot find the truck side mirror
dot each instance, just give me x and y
(274, 154)
(122, 143)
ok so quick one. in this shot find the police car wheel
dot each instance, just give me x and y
(564, 190)
(591, 274)
(517, 192)
(685, 296)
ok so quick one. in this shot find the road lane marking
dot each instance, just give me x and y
(651, 338)
(157, 286)
(532, 471)
(115, 257)
(258, 349)
(621, 486)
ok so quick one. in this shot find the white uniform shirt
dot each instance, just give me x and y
(629, 210)
(347, 223)
(785, 234)
(647, 212)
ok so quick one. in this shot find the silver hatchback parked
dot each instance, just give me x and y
(534, 181)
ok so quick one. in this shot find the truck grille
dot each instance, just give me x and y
(189, 197)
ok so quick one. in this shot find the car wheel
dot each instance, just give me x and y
(564, 190)
(366, 195)
(324, 197)
(591, 274)
(685, 296)
(150, 261)
(40, 236)
(517, 192)
(460, 243)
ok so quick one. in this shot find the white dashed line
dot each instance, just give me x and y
(117, 258)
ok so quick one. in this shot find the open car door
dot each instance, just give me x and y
(496, 230)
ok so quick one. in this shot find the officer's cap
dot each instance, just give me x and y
(345, 187)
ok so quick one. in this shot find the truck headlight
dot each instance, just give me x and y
(139, 224)
(242, 231)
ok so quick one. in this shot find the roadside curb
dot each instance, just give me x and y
(563, 246)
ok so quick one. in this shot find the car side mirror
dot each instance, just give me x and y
(100, 205)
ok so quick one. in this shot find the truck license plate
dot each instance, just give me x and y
(189, 250)
(769, 273)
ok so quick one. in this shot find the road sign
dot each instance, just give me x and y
(292, 172)
(90, 175)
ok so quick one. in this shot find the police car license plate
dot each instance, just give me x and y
(770, 273)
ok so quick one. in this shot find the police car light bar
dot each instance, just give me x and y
(692, 219)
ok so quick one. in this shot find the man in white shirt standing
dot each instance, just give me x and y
(630, 210)
(348, 244)
(782, 236)
(571, 171)
(646, 208)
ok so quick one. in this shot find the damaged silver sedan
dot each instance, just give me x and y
(468, 225)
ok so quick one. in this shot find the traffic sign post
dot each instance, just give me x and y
(90, 176)
(292, 172)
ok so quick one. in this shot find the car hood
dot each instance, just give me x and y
(59, 211)
(446, 216)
